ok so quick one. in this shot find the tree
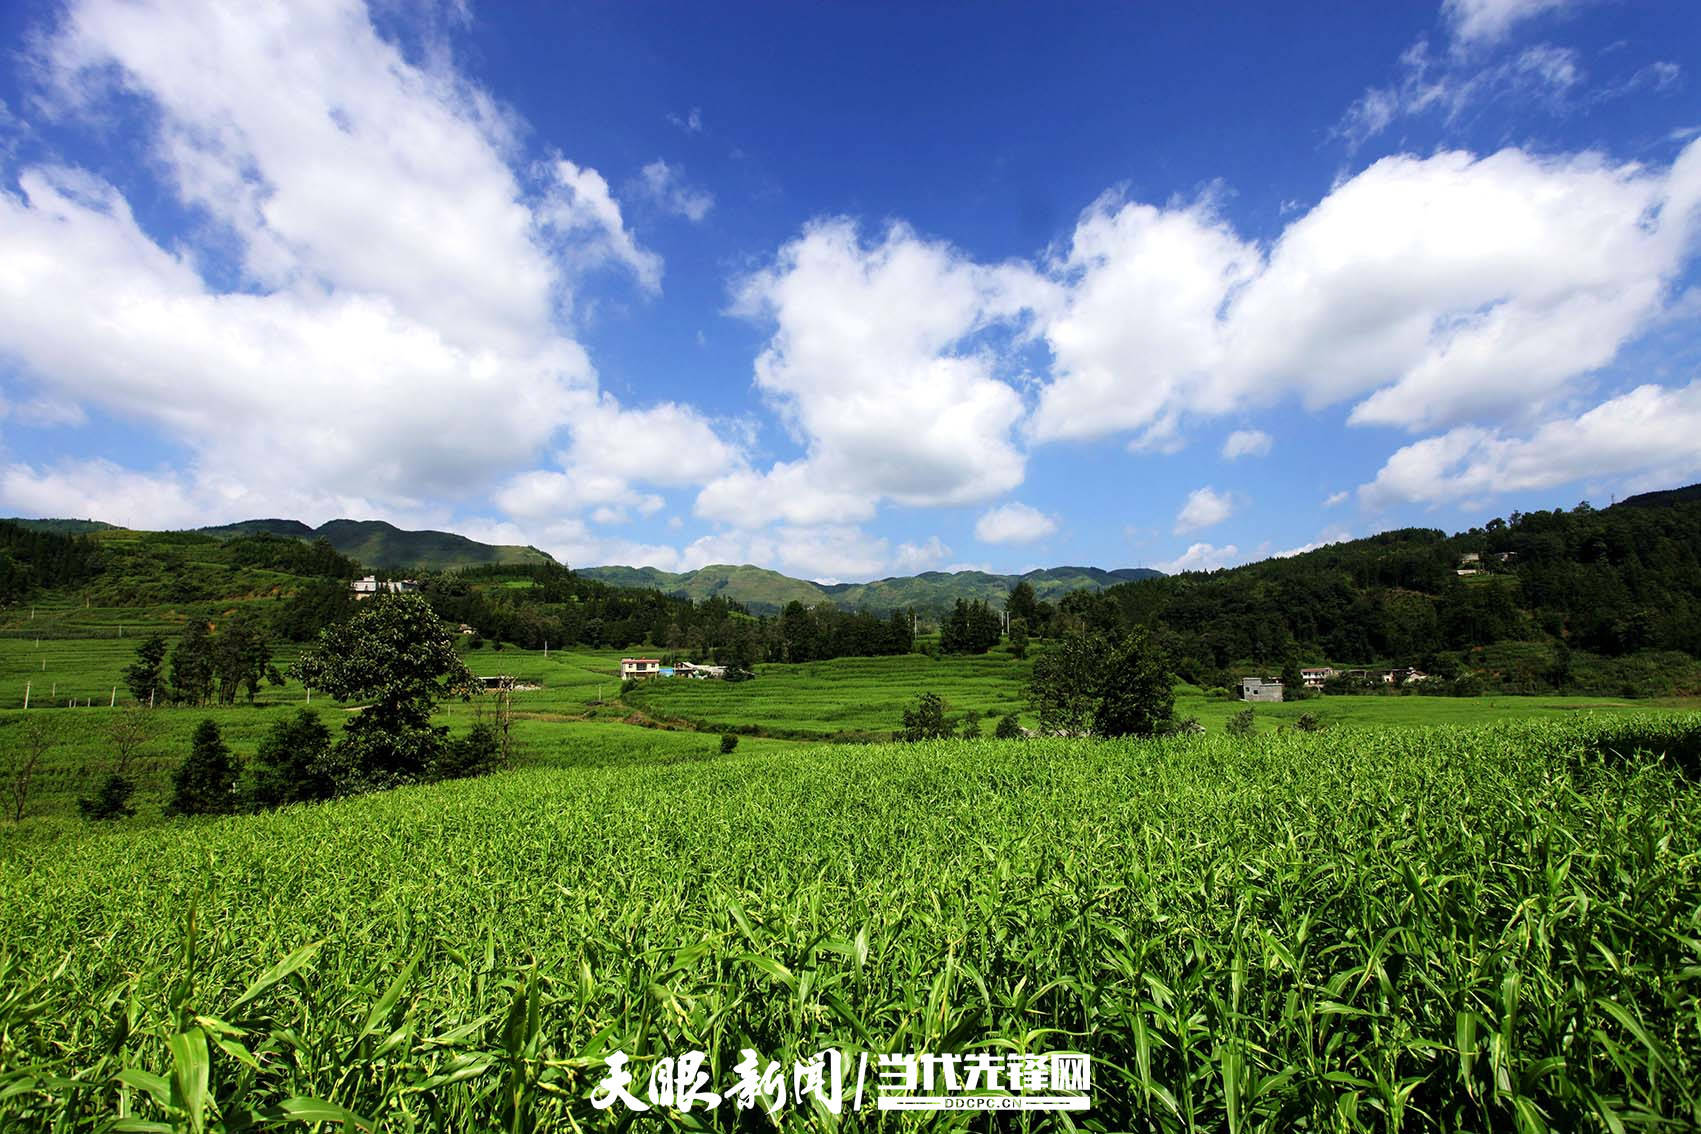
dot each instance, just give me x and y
(192, 664)
(128, 730)
(293, 763)
(1293, 682)
(145, 677)
(1064, 689)
(971, 727)
(241, 659)
(1136, 694)
(205, 783)
(24, 756)
(111, 802)
(926, 721)
(728, 742)
(1018, 638)
(398, 657)
(1020, 603)
(1009, 728)
(1241, 724)
(970, 628)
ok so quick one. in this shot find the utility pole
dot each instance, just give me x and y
(113, 704)
(26, 694)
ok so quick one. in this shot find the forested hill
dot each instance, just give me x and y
(760, 589)
(1531, 597)
(377, 544)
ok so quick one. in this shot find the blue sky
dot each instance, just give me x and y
(849, 290)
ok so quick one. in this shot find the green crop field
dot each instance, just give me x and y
(1445, 928)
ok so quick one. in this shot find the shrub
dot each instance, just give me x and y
(111, 802)
(1008, 728)
(926, 721)
(292, 764)
(474, 754)
(1308, 722)
(1241, 724)
(971, 727)
(729, 741)
(1187, 726)
(205, 783)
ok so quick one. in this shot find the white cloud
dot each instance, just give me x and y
(394, 336)
(1201, 557)
(1481, 22)
(1647, 434)
(691, 123)
(1205, 507)
(1014, 523)
(580, 209)
(881, 367)
(1452, 86)
(664, 185)
(1340, 535)
(1247, 443)
(1430, 291)
(912, 558)
(1335, 498)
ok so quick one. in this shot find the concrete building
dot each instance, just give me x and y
(1260, 689)
(639, 668)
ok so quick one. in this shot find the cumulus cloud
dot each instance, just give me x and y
(665, 185)
(912, 557)
(1247, 443)
(1014, 523)
(884, 367)
(1205, 507)
(1201, 557)
(1428, 291)
(1647, 434)
(394, 332)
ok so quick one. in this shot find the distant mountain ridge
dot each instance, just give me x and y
(765, 591)
(375, 543)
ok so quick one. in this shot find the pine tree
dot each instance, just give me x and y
(144, 677)
(205, 783)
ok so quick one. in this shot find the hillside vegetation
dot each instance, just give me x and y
(931, 592)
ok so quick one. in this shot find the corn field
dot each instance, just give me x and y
(1491, 928)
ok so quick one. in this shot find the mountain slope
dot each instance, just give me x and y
(763, 590)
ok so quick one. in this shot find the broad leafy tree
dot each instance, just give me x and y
(192, 664)
(926, 721)
(1136, 693)
(145, 677)
(293, 763)
(242, 658)
(1064, 689)
(397, 658)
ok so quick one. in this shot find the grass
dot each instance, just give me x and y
(1442, 928)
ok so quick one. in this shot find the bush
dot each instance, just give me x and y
(1009, 728)
(474, 754)
(112, 802)
(292, 764)
(205, 783)
(1188, 726)
(1241, 724)
(475, 642)
(729, 741)
(1308, 722)
(971, 727)
(926, 721)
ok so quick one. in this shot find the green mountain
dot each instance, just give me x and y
(60, 527)
(376, 544)
(765, 591)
